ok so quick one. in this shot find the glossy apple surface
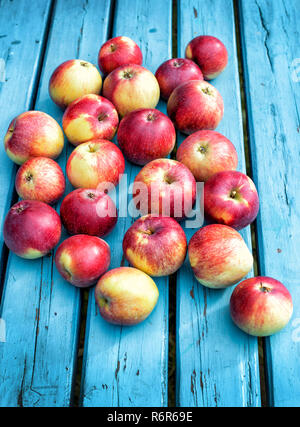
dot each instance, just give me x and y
(88, 211)
(31, 229)
(131, 87)
(209, 53)
(219, 256)
(33, 134)
(165, 187)
(155, 245)
(118, 51)
(195, 105)
(95, 162)
(126, 296)
(90, 117)
(40, 178)
(207, 152)
(73, 79)
(82, 259)
(261, 306)
(231, 198)
(174, 72)
(145, 135)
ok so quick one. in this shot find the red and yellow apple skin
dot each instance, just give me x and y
(170, 189)
(261, 306)
(219, 257)
(31, 229)
(40, 178)
(95, 162)
(145, 135)
(33, 134)
(207, 152)
(209, 53)
(231, 198)
(90, 117)
(73, 79)
(126, 296)
(174, 72)
(155, 245)
(131, 87)
(195, 105)
(88, 211)
(118, 51)
(82, 259)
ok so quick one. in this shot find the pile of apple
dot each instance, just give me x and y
(155, 245)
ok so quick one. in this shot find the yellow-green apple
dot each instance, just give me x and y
(145, 135)
(126, 296)
(88, 211)
(95, 162)
(207, 152)
(219, 256)
(195, 105)
(131, 87)
(33, 134)
(174, 72)
(261, 306)
(165, 187)
(231, 198)
(209, 53)
(31, 229)
(40, 178)
(90, 117)
(118, 51)
(155, 245)
(82, 259)
(73, 79)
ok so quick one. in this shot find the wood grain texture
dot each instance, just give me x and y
(127, 366)
(270, 41)
(217, 364)
(41, 310)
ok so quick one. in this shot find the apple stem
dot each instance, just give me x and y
(233, 194)
(264, 289)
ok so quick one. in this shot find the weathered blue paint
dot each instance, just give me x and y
(217, 365)
(42, 311)
(127, 366)
(270, 41)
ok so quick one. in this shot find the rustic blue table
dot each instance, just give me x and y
(42, 316)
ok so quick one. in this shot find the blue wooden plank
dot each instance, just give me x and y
(217, 365)
(270, 40)
(127, 366)
(41, 310)
(21, 47)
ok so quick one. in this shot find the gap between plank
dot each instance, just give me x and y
(261, 341)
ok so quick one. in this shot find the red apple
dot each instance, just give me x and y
(219, 256)
(31, 229)
(261, 306)
(207, 152)
(209, 53)
(195, 105)
(118, 51)
(73, 79)
(88, 211)
(145, 135)
(81, 259)
(90, 117)
(131, 87)
(126, 296)
(40, 179)
(174, 72)
(33, 134)
(165, 187)
(230, 198)
(155, 245)
(95, 162)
